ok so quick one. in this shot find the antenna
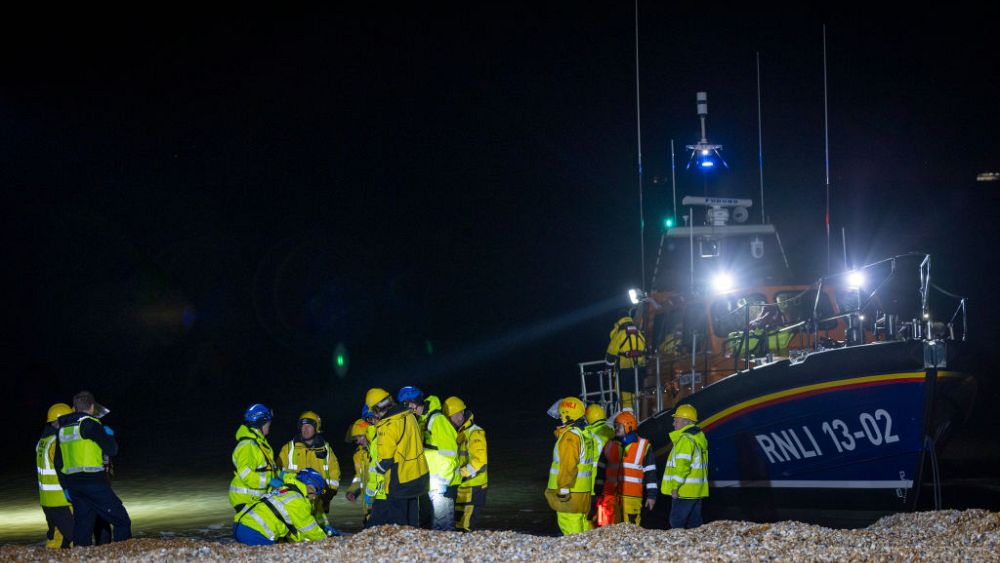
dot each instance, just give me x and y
(760, 144)
(673, 176)
(826, 140)
(638, 131)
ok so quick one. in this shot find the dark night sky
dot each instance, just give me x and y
(199, 207)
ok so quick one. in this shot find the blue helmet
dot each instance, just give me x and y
(257, 414)
(410, 393)
(311, 477)
(365, 412)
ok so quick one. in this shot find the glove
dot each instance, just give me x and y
(465, 473)
(368, 500)
(66, 494)
(276, 483)
(330, 531)
(109, 431)
(350, 496)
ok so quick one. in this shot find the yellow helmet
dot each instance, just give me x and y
(310, 417)
(686, 411)
(452, 405)
(376, 395)
(57, 410)
(571, 409)
(359, 428)
(595, 412)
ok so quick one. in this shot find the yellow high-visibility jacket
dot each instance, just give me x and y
(687, 466)
(472, 455)
(253, 466)
(284, 513)
(296, 455)
(401, 454)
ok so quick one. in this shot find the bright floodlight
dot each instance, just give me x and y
(855, 280)
(704, 152)
(722, 282)
(635, 295)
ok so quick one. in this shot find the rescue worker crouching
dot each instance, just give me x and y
(626, 475)
(253, 459)
(80, 466)
(309, 449)
(571, 477)
(58, 514)
(284, 514)
(471, 477)
(685, 478)
(358, 433)
(400, 448)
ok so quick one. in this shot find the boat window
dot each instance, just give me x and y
(797, 306)
(728, 314)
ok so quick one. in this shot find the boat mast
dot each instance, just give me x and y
(826, 139)
(638, 131)
(760, 144)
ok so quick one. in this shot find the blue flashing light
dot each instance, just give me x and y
(707, 164)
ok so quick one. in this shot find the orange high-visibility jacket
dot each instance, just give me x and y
(632, 474)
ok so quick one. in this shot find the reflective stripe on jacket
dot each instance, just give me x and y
(296, 455)
(572, 462)
(472, 455)
(284, 513)
(50, 493)
(253, 466)
(631, 475)
(687, 465)
(79, 454)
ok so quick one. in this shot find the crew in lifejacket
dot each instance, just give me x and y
(627, 345)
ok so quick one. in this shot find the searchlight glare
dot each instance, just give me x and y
(855, 280)
(635, 296)
(722, 282)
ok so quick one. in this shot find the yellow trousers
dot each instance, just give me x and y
(630, 510)
(573, 523)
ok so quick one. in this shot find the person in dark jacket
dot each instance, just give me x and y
(80, 464)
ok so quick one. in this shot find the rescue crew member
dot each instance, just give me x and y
(626, 475)
(58, 514)
(571, 477)
(472, 477)
(254, 468)
(598, 426)
(400, 460)
(441, 452)
(308, 448)
(626, 346)
(79, 462)
(686, 476)
(358, 433)
(375, 489)
(413, 398)
(284, 514)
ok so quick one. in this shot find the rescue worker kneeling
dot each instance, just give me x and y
(626, 474)
(284, 514)
(571, 477)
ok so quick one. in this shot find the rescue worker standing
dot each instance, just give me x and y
(626, 475)
(626, 345)
(571, 477)
(686, 476)
(400, 460)
(254, 468)
(441, 452)
(284, 514)
(309, 449)
(83, 443)
(598, 426)
(58, 514)
(472, 477)
(358, 433)
(412, 398)
(375, 488)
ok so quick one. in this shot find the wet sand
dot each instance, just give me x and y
(949, 535)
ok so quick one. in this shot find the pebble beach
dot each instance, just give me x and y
(948, 535)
